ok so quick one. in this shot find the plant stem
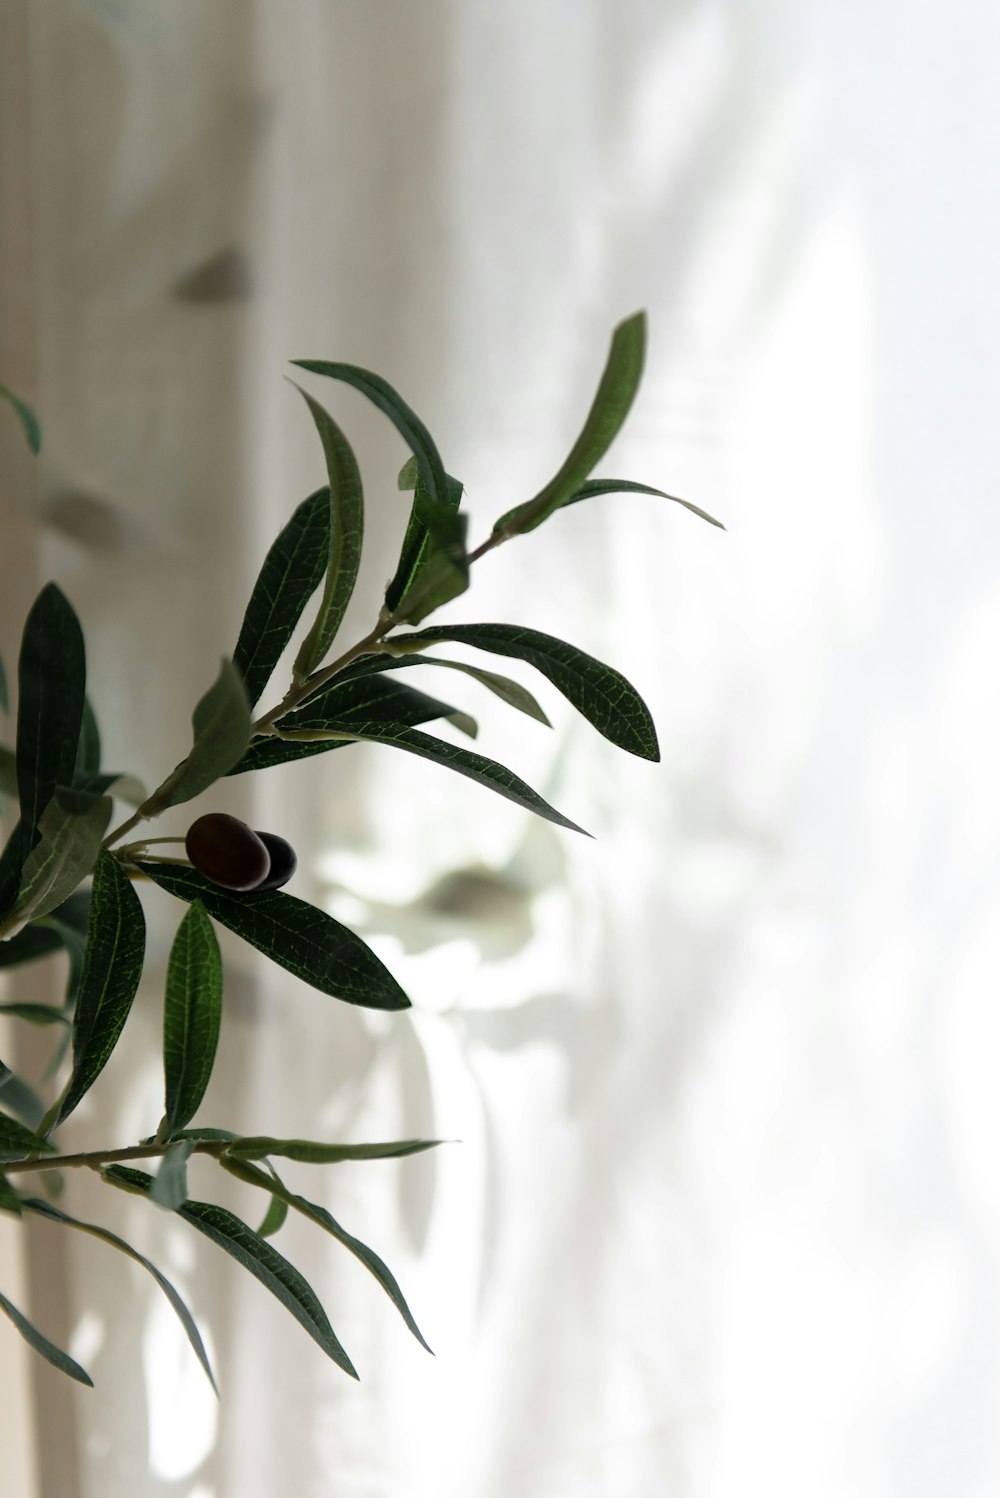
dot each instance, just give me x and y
(301, 692)
(97, 1159)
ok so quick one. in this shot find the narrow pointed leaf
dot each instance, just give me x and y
(324, 1219)
(37, 1014)
(10, 1200)
(315, 1152)
(28, 419)
(41, 1344)
(414, 555)
(8, 771)
(11, 863)
(88, 750)
(300, 938)
(412, 430)
(30, 943)
(18, 1097)
(346, 528)
(116, 942)
(611, 405)
(258, 1257)
(600, 693)
(508, 690)
(55, 1214)
(71, 828)
(596, 487)
(336, 710)
(169, 1188)
(293, 569)
(221, 723)
(52, 673)
(442, 572)
(274, 1217)
(18, 1142)
(192, 1014)
(5, 1073)
(477, 767)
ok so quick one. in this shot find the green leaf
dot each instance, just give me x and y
(346, 528)
(306, 941)
(11, 861)
(169, 1188)
(336, 710)
(504, 687)
(8, 771)
(116, 943)
(52, 672)
(221, 724)
(55, 1214)
(257, 1256)
(37, 1014)
(477, 767)
(125, 787)
(49, 1351)
(88, 750)
(274, 1218)
(442, 573)
(600, 693)
(597, 487)
(22, 1100)
(325, 1220)
(424, 519)
(412, 430)
(314, 1152)
(611, 405)
(30, 943)
(192, 1014)
(10, 1200)
(27, 418)
(18, 1142)
(292, 571)
(71, 828)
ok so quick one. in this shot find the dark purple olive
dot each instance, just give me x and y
(283, 861)
(227, 851)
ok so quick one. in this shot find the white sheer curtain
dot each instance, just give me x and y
(724, 1215)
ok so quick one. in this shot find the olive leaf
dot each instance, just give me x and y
(508, 690)
(346, 529)
(17, 1141)
(41, 1344)
(615, 394)
(169, 1188)
(55, 1214)
(256, 1255)
(192, 1015)
(291, 573)
(112, 967)
(314, 1152)
(70, 832)
(88, 750)
(302, 939)
(429, 528)
(27, 418)
(600, 693)
(596, 487)
(221, 723)
(10, 1200)
(52, 670)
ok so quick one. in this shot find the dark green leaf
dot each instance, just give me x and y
(503, 687)
(8, 771)
(209, 1135)
(442, 572)
(11, 860)
(37, 1014)
(71, 828)
(55, 1214)
(325, 1220)
(306, 941)
(274, 1218)
(221, 724)
(88, 750)
(27, 418)
(169, 1188)
(597, 487)
(21, 1099)
(611, 404)
(292, 571)
(314, 1152)
(346, 528)
(10, 1200)
(16, 1141)
(600, 693)
(258, 1257)
(412, 430)
(475, 767)
(336, 710)
(49, 1351)
(30, 943)
(112, 968)
(413, 557)
(192, 1014)
(52, 673)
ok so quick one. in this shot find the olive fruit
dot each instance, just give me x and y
(283, 861)
(227, 851)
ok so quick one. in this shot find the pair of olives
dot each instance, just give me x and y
(235, 857)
